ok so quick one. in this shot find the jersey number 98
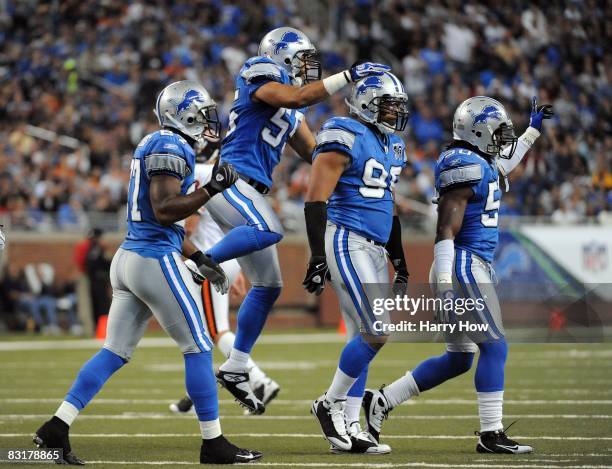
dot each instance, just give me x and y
(377, 179)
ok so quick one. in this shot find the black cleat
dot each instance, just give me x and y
(331, 419)
(184, 406)
(376, 410)
(238, 386)
(498, 442)
(220, 451)
(54, 434)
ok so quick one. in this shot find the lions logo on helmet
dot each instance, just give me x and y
(487, 113)
(190, 97)
(288, 37)
(369, 82)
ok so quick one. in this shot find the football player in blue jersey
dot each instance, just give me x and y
(467, 181)
(149, 277)
(271, 90)
(352, 231)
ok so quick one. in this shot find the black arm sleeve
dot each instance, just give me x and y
(316, 220)
(394, 246)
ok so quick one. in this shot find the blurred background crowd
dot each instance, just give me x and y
(78, 79)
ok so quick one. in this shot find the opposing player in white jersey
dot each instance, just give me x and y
(352, 232)
(204, 232)
(467, 181)
(149, 277)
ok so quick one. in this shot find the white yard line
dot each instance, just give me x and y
(168, 415)
(163, 342)
(302, 435)
(263, 463)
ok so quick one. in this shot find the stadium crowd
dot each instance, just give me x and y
(90, 70)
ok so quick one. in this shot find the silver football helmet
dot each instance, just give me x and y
(187, 107)
(380, 101)
(291, 49)
(484, 123)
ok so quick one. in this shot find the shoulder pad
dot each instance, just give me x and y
(459, 166)
(339, 130)
(261, 67)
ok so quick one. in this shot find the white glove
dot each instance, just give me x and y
(2, 239)
(444, 291)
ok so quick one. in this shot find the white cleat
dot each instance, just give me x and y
(330, 416)
(362, 443)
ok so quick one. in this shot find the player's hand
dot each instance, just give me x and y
(361, 70)
(223, 176)
(539, 113)
(206, 268)
(316, 275)
(444, 292)
(195, 273)
(2, 239)
(400, 282)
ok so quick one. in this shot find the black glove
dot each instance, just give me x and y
(400, 281)
(209, 269)
(316, 275)
(223, 176)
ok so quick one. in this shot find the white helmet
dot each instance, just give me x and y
(187, 107)
(291, 49)
(380, 101)
(484, 123)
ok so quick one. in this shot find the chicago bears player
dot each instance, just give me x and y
(149, 277)
(467, 182)
(350, 219)
(205, 233)
(270, 91)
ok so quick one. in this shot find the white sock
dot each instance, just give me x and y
(490, 410)
(401, 390)
(340, 386)
(210, 429)
(352, 407)
(226, 342)
(67, 412)
(237, 362)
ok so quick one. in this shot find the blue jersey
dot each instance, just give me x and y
(362, 200)
(162, 152)
(463, 167)
(258, 132)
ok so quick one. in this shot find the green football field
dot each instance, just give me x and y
(560, 394)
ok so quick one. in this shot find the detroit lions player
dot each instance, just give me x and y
(205, 233)
(467, 181)
(265, 116)
(350, 219)
(149, 277)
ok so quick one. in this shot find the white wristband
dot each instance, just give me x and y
(444, 255)
(336, 82)
(530, 136)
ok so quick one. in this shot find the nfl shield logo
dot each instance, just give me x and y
(398, 150)
(595, 256)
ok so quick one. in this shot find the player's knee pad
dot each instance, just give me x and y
(494, 351)
(266, 238)
(460, 362)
